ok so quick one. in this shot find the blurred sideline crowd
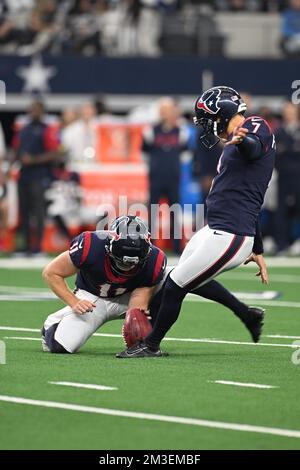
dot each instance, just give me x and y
(49, 150)
(128, 27)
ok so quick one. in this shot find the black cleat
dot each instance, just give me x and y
(139, 350)
(254, 322)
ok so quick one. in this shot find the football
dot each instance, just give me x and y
(136, 326)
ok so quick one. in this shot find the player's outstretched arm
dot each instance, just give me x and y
(55, 273)
(249, 144)
(238, 136)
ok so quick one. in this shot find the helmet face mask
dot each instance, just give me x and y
(214, 109)
(125, 265)
(128, 244)
(209, 137)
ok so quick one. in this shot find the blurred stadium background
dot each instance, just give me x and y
(100, 68)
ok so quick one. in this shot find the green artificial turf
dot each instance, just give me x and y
(180, 385)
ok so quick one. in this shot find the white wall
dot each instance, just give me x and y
(250, 34)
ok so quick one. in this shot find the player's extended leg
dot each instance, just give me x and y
(208, 253)
(66, 332)
(252, 317)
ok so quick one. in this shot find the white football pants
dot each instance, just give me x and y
(74, 330)
(209, 253)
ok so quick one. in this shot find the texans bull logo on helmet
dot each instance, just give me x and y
(209, 102)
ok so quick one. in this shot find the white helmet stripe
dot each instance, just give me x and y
(242, 107)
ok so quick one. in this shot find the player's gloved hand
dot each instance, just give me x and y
(238, 136)
(263, 271)
(83, 306)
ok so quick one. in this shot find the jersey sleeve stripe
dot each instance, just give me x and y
(158, 265)
(86, 247)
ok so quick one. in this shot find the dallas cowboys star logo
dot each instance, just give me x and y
(36, 75)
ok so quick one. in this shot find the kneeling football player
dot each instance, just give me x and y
(116, 270)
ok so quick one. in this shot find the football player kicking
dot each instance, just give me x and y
(232, 234)
(116, 270)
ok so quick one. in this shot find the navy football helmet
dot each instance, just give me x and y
(214, 109)
(128, 244)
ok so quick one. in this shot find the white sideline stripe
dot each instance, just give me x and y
(22, 338)
(28, 293)
(154, 417)
(267, 303)
(29, 290)
(243, 384)
(39, 263)
(89, 386)
(184, 340)
(284, 278)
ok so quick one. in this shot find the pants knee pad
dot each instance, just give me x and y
(53, 345)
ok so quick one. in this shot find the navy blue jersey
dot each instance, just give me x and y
(87, 252)
(238, 190)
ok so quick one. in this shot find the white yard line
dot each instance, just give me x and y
(282, 336)
(184, 340)
(154, 417)
(243, 384)
(79, 385)
(22, 338)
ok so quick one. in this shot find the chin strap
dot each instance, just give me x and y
(209, 140)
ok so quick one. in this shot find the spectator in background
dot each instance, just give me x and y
(164, 144)
(79, 137)
(140, 27)
(291, 29)
(3, 202)
(68, 116)
(37, 150)
(63, 196)
(85, 35)
(288, 167)
(35, 36)
(63, 200)
(232, 5)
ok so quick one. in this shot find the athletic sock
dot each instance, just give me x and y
(169, 310)
(213, 290)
